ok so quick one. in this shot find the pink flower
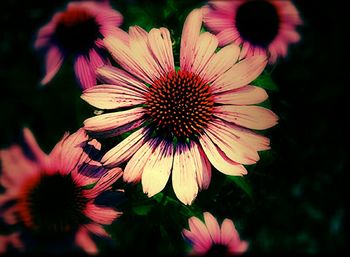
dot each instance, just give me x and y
(184, 119)
(266, 26)
(78, 31)
(51, 200)
(210, 239)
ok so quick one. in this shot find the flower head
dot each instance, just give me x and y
(260, 26)
(208, 238)
(184, 119)
(49, 194)
(79, 30)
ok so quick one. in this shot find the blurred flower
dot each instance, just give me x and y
(47, 196)
(266, 26)
(188, 117)
(79, 31)
(209, 239)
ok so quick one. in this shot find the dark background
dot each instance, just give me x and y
(298, 188)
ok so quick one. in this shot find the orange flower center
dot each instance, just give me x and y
(51, 204)
(180, 104)
(77, 30)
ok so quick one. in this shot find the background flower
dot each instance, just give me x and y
(47, 196)
(205, 107)
(210, 239)
(78, 30)
(267, 26)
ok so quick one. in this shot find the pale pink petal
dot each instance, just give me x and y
(83, 240)
(132, 60)
(157, 170)
(16, 167)
(142, 54)
(53, 62)
(199, 247)
(112, 97)
(202, 165)
(101, 215)
(119, 77)
(198, 228)
(246, 136)
(96, 229)
(238, 247)
(104, 183)
(105, 123)
(219, 160)
(228, 232)
(112, 31)
(213, 227)
(184, 175)
(232, 145)
(33, 146)
(253, 117)
(245, 49)
(220, 63)
(96, 60)
(84, 73)
(189, 37)
(228, 36)
(217, 21)
(162, 49)
(242, 96)
(240, 74)
(134, 168)
(204, 50)
(67, 153)
(125, 149)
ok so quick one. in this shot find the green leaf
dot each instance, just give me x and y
(143, 209)
(265, 81)
(242, 183)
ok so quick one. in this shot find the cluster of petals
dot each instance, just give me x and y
(70, 157)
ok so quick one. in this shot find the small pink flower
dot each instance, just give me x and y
(184, 119)
(79, 31)
(210, 239)
(259, 26)
(51, 200)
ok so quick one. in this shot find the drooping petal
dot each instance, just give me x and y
(108, 124)
(96, 60)
(157, 170)
(101, 215)
(213, 227)
(253, 117)
(199, 246)
(104, 183)
(189, 37)
(161, 46)
(228, 36)
(220, 62)
(84, 73)
(184, 175)
(219, 160)
(112, 97)
(53, 62)
(96, 229)
(202, 165)
(233, 147)
(241, 74)
(125, 149)
(118, 77)
(134, 168)
(204, 50)
(228, 232)
(67, 153)
(242, 96)
(83, 240)
(33, 146)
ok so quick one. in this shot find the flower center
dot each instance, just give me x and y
(52, 204)
(180, 104)
(258, 22)
(76, 31)
(218, 250)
